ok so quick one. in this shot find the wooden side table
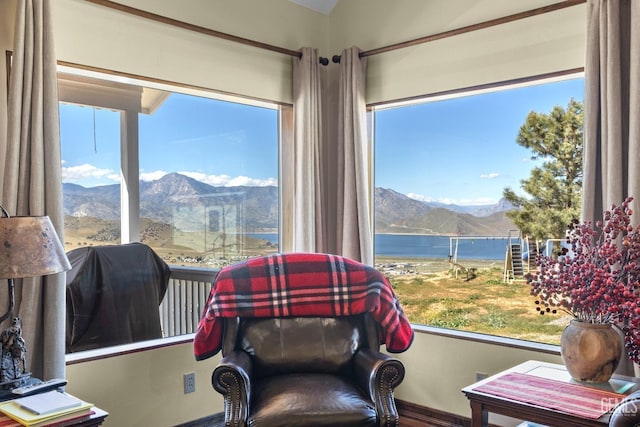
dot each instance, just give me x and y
(483, 403)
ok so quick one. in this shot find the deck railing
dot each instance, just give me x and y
(185, 299)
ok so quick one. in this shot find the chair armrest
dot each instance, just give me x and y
(232, 379)
(378, 374)
(627, 412)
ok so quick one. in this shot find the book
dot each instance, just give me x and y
(8, 422)
(48, 402)
(14, 410)
(63, 419)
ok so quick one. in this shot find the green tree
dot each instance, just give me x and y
(554, 188)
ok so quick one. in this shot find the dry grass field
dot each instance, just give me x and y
(482, 302)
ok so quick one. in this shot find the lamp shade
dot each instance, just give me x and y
(30, 247)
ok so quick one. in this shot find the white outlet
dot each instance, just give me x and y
(189, 382)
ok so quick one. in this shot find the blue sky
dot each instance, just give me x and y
(216, 142)
(460, 151)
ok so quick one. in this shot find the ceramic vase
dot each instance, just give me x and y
(591, 351)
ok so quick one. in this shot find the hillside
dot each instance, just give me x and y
(397, 213)
(179, 204)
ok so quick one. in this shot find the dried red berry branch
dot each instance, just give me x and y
(597, 277)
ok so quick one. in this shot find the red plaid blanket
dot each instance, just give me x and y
(301, 284)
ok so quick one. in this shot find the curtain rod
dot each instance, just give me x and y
(184, 25)
(336, 58)
(469, 28)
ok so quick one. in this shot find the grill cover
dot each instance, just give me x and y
(113, 294)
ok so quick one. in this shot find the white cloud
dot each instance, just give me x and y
(87, 171)
(152, 176)
(419, 197)
(83, 174)
(245, 180)
(227, 181)
(489, 175)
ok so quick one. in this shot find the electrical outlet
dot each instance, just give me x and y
(189, 382)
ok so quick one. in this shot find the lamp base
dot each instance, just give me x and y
(13, 363)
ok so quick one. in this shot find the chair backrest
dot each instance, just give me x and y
(301, 344)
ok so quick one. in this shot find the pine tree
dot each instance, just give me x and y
(554, 188)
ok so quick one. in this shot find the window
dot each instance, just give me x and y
(442, 233)
(209, 173)
(192, 174)
(91, 174)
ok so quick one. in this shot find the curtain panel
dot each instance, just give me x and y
(31, 178)
(330, 158)
(612, 108)
(354, 195)
(308, 188)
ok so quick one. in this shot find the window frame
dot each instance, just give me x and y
(122, 93)
(372, 108)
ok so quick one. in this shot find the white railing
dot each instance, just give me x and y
(185, 299)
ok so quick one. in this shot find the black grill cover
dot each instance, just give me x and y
(113, 294)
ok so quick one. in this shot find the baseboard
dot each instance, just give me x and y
(215, 420)
(413, 415)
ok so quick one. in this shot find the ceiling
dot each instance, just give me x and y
(322, 6)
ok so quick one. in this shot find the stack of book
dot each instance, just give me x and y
(52, 408)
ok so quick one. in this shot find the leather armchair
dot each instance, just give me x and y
(627, 413)
(306, 372)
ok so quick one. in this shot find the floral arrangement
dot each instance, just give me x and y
(597, 278)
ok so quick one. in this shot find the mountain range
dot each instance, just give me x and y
(179, 200)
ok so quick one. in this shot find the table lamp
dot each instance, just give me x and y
(29, 247)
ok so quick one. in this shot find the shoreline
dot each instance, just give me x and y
(400, 265)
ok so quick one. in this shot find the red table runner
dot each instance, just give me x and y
(571, 398)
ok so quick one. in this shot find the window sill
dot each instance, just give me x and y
(119, 350)
(107, 352)
(489, 339)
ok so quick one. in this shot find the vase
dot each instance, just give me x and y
(591, 351)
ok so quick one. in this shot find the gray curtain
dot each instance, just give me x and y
(354, 174)
(331, 159)
(612, 109)
(308, 189)
(31, 178)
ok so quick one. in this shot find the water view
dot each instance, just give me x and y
(426, 246)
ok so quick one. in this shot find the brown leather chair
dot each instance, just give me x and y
(627, 413)
(306, 372)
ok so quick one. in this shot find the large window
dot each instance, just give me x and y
(192, 174)
(209, 170)
(202, 174)
(443, 236)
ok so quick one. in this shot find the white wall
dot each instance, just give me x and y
(92, 35)
(541, 44)
(146, 388)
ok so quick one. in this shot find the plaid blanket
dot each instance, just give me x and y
(301, 284)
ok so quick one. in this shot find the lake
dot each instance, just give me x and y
(422, 246)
